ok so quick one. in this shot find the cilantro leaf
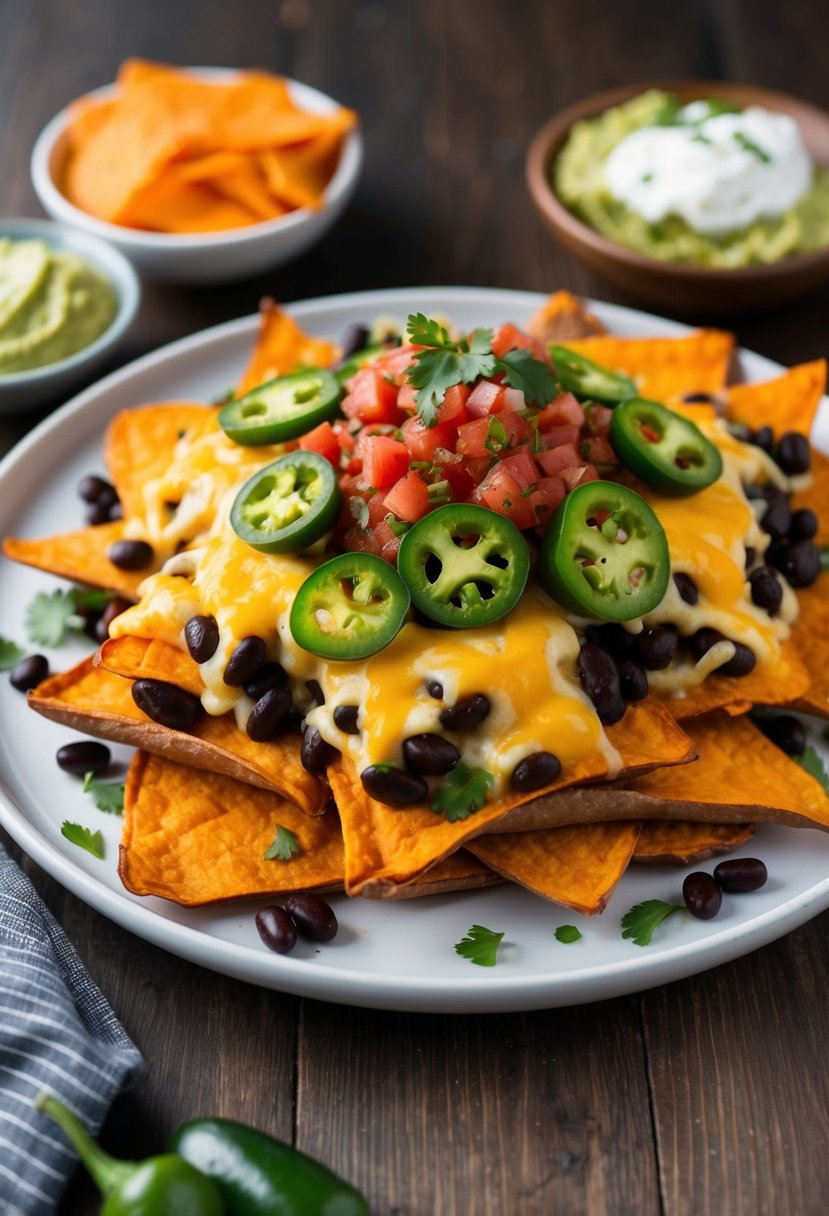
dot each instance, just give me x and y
(480, 946)
(529, 375)
(814, 766)
(567, 934)
(464, 790)
(285, 846)
(10, 653)
(445, 363)
(84, 838)
(49, 617)
(640, 921)
(424, 331)
(108, 795)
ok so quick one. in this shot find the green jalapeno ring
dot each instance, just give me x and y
(287, 506)
(282, 409)
(464, 565)
(360, 359)
(666, 451)
(349, 608)
(590, 381)
(605, 554)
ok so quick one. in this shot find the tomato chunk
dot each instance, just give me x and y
(423, 441)
(322, 439)
(385, 460)
(564, 457)
(502, 492)
(372, 398)
(485, 398)
(408, 499)
(510, 337)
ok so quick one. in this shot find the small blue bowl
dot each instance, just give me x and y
(27, 389)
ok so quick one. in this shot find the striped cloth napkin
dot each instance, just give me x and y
(57, 1033)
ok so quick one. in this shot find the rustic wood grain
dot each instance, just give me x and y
(704, 1097)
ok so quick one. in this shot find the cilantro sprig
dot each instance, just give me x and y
(49, 617)
(480, 946)
(107, 795)
(447, 361)
(84, 838)
(640, 922)
(464, 791)
(567, 934)
(10, 653)
(284, 847)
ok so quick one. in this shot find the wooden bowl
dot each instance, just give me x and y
(678, 287)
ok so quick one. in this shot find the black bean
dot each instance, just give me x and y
(96, 489)
(600, 680)
(345, 719)
(95, 514)
(468, 713)
(435, 689)
(269, 675)
(315, 689)
(276, 928)
(763, 438)
(699, 399)
(703, 898)
(201, 633)
(130, 554)
(741, 662)
(766, 591)
(248, 656)
(777, 517)
(29, 672)
(753, 493)
(268, 715)
(702, 641)
(85, 756)
(313, 917)
(294, 720)
(687, 588)
(315, 753)
(167, 704)
(788, 733)
(393, 786)
(751, 556)
(535, 771)
(793, 453)
(656, 648)
(740, 874)
(431, 755)
(353, 340)
(612, 638)
(804, 525)
(633, 680)
(800, 563)
(114, 608)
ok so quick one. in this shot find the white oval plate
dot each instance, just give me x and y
(387, 955)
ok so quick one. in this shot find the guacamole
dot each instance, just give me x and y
(581, 182)
(52, 304)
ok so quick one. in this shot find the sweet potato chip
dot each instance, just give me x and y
(816, 495)
(198, 838)
(458, 872)
(139, 446)
(665, 367)
(563, 318)
(740, 777)
(684, 844)
(789, 402)
(145, 659)
(386, 847)
(574, 866)
(280, 346)
(811, 632)
(775, 683)
(80, 556)
(99, 703)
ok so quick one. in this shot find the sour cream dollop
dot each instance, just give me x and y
(718, 173)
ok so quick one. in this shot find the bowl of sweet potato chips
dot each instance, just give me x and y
(200, 175)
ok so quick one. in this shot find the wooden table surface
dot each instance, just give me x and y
(705, 1096)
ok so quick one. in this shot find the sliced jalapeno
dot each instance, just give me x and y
(287, 506)
(665, 450)
(464, 565)
(349, 608)
(590, 381)
(604, 554)
(282, 409)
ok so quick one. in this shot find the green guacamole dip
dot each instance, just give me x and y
(579, 181)
(51, 305)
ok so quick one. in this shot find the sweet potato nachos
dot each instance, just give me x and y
(452, 609)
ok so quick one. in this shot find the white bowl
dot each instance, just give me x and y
(214, 257)
(40, 385)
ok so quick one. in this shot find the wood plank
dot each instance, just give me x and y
(523, 1114)
(740, 1095)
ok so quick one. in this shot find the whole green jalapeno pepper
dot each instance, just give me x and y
(166, 1185)
(259, 1176)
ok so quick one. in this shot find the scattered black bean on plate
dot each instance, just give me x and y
(739, 874)
(313, 917)
(84, 756)
(29, 672)
(702, 895)
(276, 929)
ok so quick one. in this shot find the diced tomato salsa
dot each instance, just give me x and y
(486, 446)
